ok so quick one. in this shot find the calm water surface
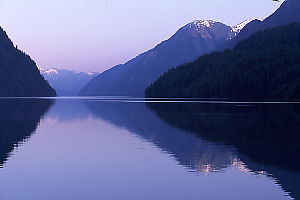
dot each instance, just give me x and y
(119, 149)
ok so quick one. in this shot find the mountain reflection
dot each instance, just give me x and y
(18, 120)
(266, 136)
(206, 138)
(261, 139)
(188, 149)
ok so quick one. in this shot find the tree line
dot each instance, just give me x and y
(266, 65)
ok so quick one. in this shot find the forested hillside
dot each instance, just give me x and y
(19, 75)
(266, 65)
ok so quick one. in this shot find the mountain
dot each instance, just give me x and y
(187, 44)
(264, 66)
(67, 82)
(288, 12)
(19, 75)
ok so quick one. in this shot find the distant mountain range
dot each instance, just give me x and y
(190, 42)
(67, 82)
(19, 75)
(187, 44)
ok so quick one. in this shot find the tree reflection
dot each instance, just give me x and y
(18, 120)
(266, 136)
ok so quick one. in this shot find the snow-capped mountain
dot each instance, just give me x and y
(187, 44)
(205, 27)
(67, 82)
(287, 13)
(200, 24)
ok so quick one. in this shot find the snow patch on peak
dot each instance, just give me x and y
(52, 71)
(206, 23)
(59, 72)
(207, 29)
(48, 71)
(237, 28)
(198, 24)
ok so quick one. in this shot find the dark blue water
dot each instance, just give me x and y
(99, 148)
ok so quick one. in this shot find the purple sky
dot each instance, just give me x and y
(94, 35)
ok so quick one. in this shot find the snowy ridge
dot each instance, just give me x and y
(237, 28)
(54, 71)
(48, 71)
(66, 82)
(202, 25)
(206, 29)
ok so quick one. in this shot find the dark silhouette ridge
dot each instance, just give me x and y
(18, 120)
(19, 75)
(264, 66)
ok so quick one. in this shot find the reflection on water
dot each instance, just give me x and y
(268, 134)
(18, 120)
(101, 149)
(190, 151)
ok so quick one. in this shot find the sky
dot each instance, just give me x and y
(94, 35)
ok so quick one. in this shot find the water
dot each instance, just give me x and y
(100, 148)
